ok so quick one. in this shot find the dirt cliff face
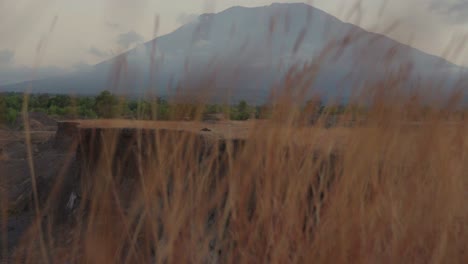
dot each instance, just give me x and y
(37, 121)
(105, 173)
(134, 151)
(43, 163)
(115, 163)
(66, 133)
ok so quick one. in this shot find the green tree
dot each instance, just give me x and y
(152, 109)
(60, 101)
(11, 116)
(162, 110)
(55, 110)
(39, 102)
(213, 109)
(43, 101)
(241, 112)
(14, 101)
(3, 110)
(106, 105)
(8, 115)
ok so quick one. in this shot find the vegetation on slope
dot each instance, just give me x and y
(107, 105)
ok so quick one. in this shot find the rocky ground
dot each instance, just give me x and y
(16, 173)
(46, 154)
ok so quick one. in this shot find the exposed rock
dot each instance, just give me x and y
(66, 133)
(50, 166)
(37, 122)
(77, 173)
(3, 154)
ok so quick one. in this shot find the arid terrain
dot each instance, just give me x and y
(281, 133)
(54, 156)
(49, 157)
(15, 174)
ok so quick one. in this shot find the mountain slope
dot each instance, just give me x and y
(244, 52)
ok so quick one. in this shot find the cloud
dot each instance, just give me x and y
(82, 66)
(409, 22)
(185, 18)
(455, 11)
(98, 52)
(126, 13)
(125, 40)
(112, 25)
(6, 57)
(17, 74)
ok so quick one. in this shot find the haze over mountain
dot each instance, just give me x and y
(244, 52)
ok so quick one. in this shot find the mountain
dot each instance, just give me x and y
(244, 52)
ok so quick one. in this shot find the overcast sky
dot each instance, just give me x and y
(72, 33)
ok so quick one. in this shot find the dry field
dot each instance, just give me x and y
(387, 192)
(390, 190)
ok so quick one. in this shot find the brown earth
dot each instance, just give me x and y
(227, 129)
(37, 122)
(15, 172)
(53, 154)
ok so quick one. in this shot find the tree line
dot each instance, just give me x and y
(108, 105)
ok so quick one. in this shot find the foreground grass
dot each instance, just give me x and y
(390, 190)
(385, 192)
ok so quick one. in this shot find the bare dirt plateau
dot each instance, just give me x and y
(37, 154)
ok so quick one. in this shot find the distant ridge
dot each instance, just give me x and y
(248, 51)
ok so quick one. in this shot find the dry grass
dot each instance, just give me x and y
(389, 191)
(395, 193)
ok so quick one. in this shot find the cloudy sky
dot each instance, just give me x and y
(70, 33)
